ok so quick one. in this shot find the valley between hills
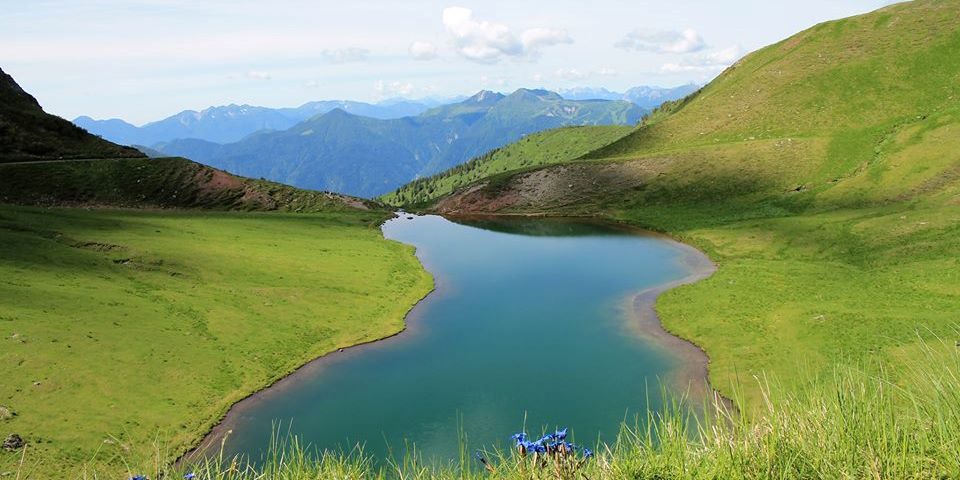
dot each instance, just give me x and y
(142, 297)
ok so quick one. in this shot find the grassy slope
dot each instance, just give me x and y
(544, 148)
(163, 183)
(121, 327)
(821, 172)
(27, 133)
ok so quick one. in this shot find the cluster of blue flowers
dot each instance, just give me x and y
(189, 476)
(551, 443)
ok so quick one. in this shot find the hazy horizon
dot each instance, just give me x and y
(190, 55)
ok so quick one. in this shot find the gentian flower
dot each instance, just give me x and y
(587, 453)
(536, 447)
(190, 476)
(561, 434)
(519, 438)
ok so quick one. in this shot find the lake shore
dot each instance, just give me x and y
(214, 439)
(692, 374)
(690, 377)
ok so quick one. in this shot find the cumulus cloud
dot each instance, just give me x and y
(488, 42)
(534, 39)
(423, 50)
(393, 89)
(346, 55)
(573, 74)
(258, 75)
(707, 62)
(687, 41)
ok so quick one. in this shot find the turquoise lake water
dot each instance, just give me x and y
(528, 329)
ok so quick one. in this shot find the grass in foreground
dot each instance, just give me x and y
(122, 328)
(862, 425)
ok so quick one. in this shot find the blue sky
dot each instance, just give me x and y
(145, 59)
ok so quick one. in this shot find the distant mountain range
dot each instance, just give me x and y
(364, 156)
(370, 149)
(231, 123)
(644, 97)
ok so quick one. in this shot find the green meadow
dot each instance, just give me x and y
(123, 330)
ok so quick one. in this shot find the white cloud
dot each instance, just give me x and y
(489, 42)
(687, 41)
(571, 74)
(707, 62)
(393, 89)
(423, 50)
(258, 75)
(535, 39)
(346, 55)
(574, 74)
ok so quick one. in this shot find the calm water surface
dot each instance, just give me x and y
(528, 324)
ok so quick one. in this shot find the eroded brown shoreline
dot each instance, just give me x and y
(691, 377)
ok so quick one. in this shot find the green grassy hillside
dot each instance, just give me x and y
(124, 329)
(27, 133)
(156, 183)
(821, 173)
(544, 148)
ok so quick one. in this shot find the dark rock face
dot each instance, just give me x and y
(13, 442)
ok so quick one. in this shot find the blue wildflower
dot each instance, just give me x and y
(536, 447)
(190, 476)
(139, 477)
(520, 438)
(587, 453)
(545, 439)
(561, 447)
(561, 434)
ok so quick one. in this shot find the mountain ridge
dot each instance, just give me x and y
(48, 161)
(317, 154)
(197, 124)
(233, 122)
(649, 97)
(28, 133)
